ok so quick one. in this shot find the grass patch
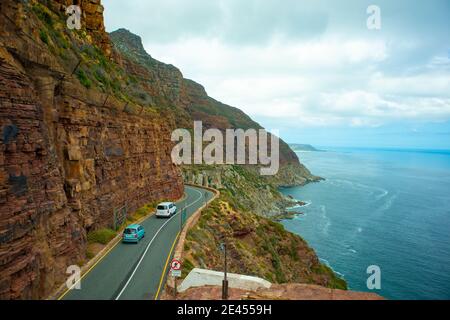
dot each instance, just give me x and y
(89, 254)
(84, 80)
(43, 14)
(102, 236)
(187, 267)
(335, 281)
(43, 36)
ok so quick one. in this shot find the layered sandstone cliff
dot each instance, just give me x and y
(69, 155)
(169, 90)
(86, 125)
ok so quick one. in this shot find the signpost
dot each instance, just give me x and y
(223, 247)
(175, 265)
(175, 271)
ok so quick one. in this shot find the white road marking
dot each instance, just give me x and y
(150, 243)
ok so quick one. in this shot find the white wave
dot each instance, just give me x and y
(388, 203)
(383, 194)
(378, 192)
(307, 203)
(326, 220)
(324, 261)
(297, 206)
(299, 216)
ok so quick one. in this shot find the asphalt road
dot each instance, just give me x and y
(138, 271)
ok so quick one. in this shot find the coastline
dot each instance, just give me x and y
(357, 218)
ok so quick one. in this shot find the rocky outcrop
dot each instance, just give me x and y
(256, 246)
(70, 157)
(247, 188)
(91, 19)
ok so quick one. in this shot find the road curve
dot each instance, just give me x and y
(138, 271)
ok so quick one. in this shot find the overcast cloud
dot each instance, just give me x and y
(310, 67)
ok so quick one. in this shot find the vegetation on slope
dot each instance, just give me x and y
(256, 246)
(133, 76)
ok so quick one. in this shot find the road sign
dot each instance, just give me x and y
(176, 273)
(175, 265)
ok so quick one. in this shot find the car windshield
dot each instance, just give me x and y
(129, 231)
(161, 207)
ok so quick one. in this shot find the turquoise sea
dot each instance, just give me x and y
(384, 207)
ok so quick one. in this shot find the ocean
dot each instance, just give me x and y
(389, 208)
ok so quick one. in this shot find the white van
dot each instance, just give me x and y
(166, 209)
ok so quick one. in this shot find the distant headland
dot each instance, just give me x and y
(303, 147)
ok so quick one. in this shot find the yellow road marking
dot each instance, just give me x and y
(89, 270)
(107, 252)
(165, 267)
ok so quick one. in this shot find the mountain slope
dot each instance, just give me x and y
(187, 97)
(255, 246)
(75, 151)
(167, 89)
(86, 127)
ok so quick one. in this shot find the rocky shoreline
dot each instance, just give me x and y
(251, 191)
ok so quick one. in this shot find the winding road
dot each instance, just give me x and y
(138, 271)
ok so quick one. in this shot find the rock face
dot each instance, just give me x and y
(253, 192)
(247, 187)
(292, 291)
(92, 19)
(69, 157)
(190, 102)
(85, 132)
(189, 99)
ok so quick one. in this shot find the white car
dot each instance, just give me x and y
(166, 209)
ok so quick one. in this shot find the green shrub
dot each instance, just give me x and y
(187, 267)
(102, 236)
(141, 212)
(84, 80)
(89, 254)
(335, 281)
(61, 41)
(44, 36)
(43, 14)
(100, 76)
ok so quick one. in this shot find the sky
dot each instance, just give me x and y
(311, 69)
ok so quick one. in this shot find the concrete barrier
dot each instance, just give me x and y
(202, 277)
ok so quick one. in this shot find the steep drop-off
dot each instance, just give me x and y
(256, 246)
